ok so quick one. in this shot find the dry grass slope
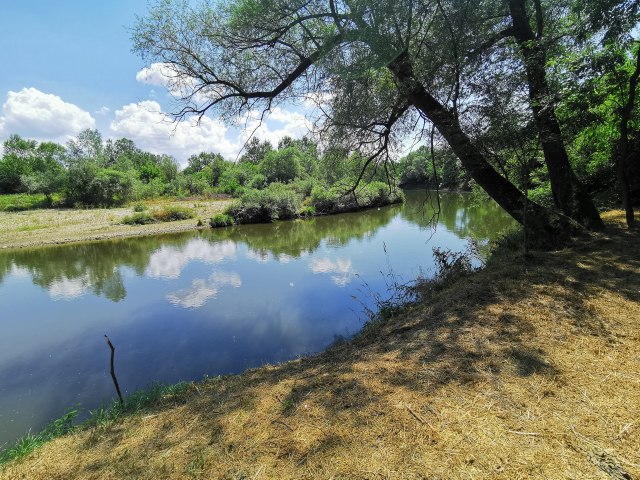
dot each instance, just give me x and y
(518, 371)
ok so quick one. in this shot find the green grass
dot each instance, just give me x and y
(30, 228)
(100, 417)
(30, 442)
(24, 201)
(134, 403)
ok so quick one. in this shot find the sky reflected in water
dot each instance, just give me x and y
(178, 307)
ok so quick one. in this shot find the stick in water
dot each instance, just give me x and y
(113, 372)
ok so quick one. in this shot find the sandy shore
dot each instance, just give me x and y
(57, 226)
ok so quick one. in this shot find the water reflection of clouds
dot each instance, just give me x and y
(341, 270)
(17, 271)
(168, 261)
(259, 256)
(264, 256)
(69, 288)
(201, 290)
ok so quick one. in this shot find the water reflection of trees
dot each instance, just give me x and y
(305, 236)
(69, 271)
(77, 268)
(459, 213)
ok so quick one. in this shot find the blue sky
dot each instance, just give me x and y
(67, 65)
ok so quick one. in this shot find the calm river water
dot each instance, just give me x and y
(178, 307)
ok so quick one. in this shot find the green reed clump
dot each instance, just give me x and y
(221, 220)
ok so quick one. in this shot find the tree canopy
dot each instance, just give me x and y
(382, 70)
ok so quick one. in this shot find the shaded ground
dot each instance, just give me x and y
(55, 226)
(518, 371)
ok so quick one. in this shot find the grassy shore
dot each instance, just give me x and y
(33, 228)
(521, 370)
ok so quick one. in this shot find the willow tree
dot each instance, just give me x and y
(377, 70)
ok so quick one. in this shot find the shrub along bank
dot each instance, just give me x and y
(285, 201)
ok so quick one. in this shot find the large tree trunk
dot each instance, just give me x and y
(568, 193)
(622, 154)
(541, 221)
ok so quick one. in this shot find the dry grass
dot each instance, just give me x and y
(518, 371)
(55, 226)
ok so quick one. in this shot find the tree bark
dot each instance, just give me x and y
(568, 193)
(541, 221)
(622, 154)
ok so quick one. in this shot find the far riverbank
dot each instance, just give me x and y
(34, 228)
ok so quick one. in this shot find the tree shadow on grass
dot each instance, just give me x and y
(474, 330)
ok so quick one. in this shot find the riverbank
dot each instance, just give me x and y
(522, 370)
(42, 227)
(34, 228)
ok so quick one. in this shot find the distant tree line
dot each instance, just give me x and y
(89, 171)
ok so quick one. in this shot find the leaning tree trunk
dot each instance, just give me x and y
(543, 223)
(622, 154)
(568, 193)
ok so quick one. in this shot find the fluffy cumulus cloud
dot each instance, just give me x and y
(158, 74)
(146, 124)
(279, 123)
(151, 129)
(35, 114)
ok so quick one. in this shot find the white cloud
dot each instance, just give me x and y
(211, 134)
(102, 111)
(152, 130)
(35, 114)
(164, 75)
(277, 124)
(158, 74)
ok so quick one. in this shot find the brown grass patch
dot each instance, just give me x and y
(522, 370)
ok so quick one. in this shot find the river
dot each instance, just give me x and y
(182, 306)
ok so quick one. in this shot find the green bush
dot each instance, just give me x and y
(139, 218)
(276, 202)
(281, 165)
(139, 207)
(164, 214)
(259, 181)
(221, 220)
(335, 200)
(173, 213)
(90, 185)
(304, 186)
(307, 211)
(24, 201)
(324, 199)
